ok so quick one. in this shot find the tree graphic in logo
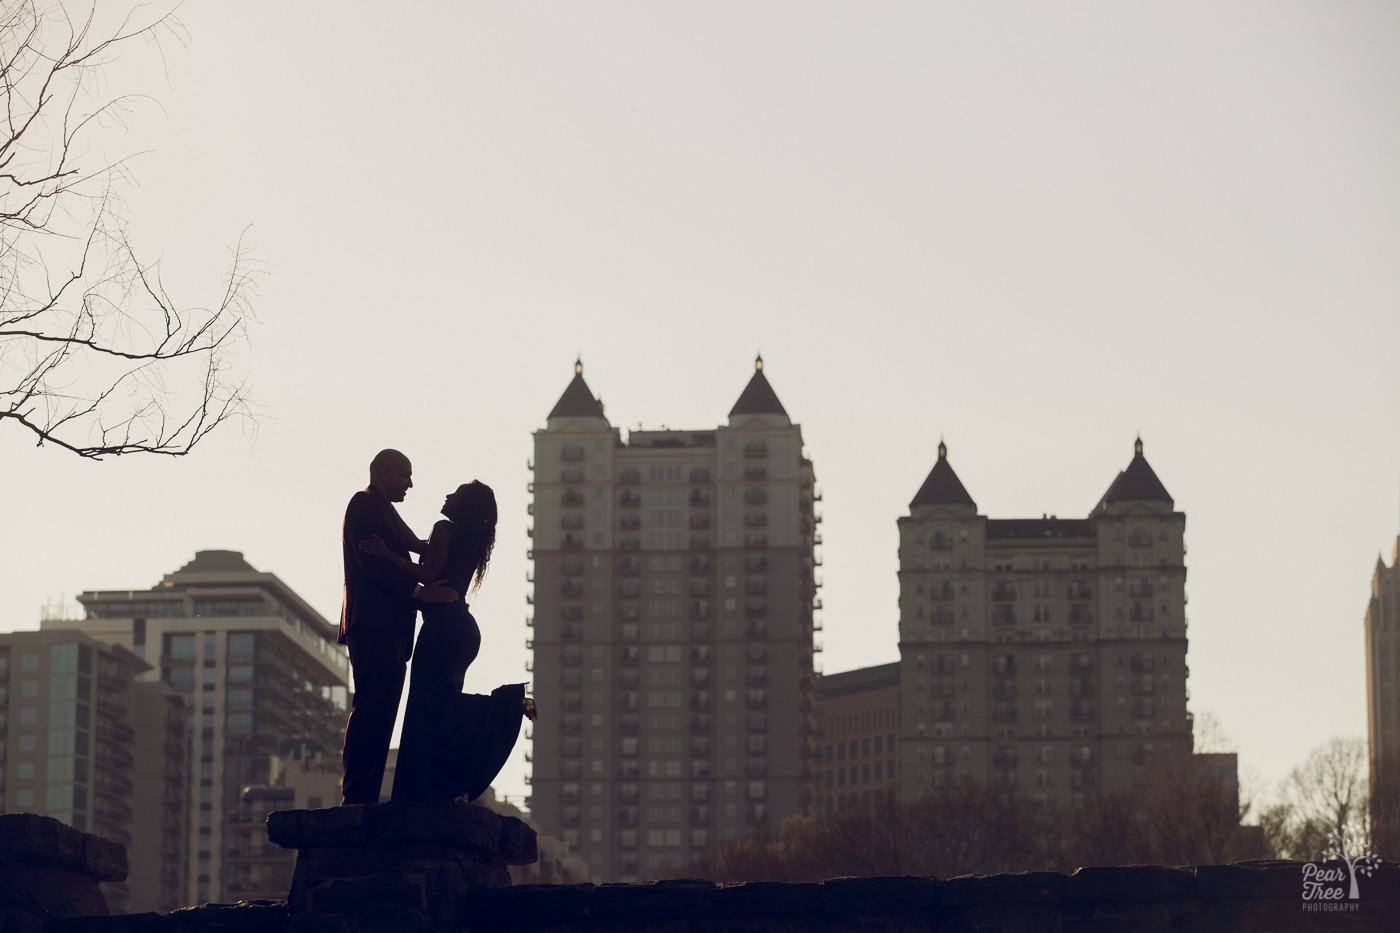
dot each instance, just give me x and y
(1364, 865)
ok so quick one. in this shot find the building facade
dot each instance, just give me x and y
(1046, 655)
(1383, 694)
(674, 590)
(256, 666)
(74, 726)
(857, 760)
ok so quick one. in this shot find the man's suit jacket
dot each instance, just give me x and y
(377, 594)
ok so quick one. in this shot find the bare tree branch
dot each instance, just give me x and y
(96, 358)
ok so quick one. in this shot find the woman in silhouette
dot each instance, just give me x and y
(453, 743)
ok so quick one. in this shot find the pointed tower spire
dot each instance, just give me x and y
(1137, 483)
(577, 400)
(758, 397)
(942, 486)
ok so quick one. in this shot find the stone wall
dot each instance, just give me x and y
(1255, 896)
(443, 867)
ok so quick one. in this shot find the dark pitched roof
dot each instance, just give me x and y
(758, 397)
(577, 400)
(1137, 483)
(942, 486)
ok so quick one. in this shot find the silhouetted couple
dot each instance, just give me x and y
(453, 744)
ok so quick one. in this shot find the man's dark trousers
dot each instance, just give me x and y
(379, 666)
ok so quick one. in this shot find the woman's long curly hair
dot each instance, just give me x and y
(474, 512)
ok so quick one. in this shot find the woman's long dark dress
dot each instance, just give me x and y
(453, 743)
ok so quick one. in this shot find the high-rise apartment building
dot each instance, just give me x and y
(673, 600)
(73, 729)
(256, 666)
(1383, 691)
(1043, 654)
(857, 760)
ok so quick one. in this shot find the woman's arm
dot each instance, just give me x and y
(433, 559)
(411, 541)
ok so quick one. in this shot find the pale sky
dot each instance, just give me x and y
(1032, 229)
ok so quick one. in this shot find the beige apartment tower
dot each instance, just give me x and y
(674, 591)
(257, 668)
(1046, 654)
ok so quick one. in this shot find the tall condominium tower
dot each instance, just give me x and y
(1042, 654)
(1383, 694)
(256, 665)
(77, 735)
(673, 600)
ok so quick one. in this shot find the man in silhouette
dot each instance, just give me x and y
(376, 621)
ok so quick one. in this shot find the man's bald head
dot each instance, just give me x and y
(392, 474)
